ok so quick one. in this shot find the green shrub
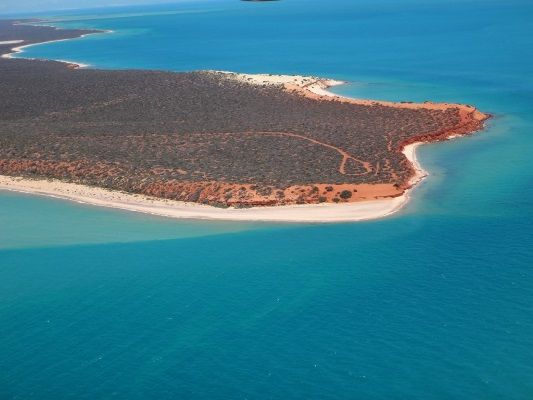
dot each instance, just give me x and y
(346, 194)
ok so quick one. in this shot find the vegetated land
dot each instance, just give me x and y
(201, 136)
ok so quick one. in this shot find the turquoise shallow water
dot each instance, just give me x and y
(434, 303)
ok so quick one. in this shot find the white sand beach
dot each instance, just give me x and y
(312, 83)
(356, 211)
(20, 49)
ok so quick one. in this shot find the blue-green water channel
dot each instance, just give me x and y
(433, 303)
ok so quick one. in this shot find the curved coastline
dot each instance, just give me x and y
(310, 213)
(72, 64)
(313, 87)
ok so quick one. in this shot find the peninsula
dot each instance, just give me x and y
(207, 144)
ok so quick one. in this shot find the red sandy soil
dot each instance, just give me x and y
(471, 120)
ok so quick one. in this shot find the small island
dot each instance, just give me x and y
(207, 144)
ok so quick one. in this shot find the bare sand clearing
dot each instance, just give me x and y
(357, 211)
(11, 41)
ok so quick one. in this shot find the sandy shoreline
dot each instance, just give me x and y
(356, 211)
(20, 49)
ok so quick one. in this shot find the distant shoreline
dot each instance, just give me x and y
(315, 88)
(20, 49)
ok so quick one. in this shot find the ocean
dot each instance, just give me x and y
(435, 302)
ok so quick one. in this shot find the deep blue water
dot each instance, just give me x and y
(433, 303)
